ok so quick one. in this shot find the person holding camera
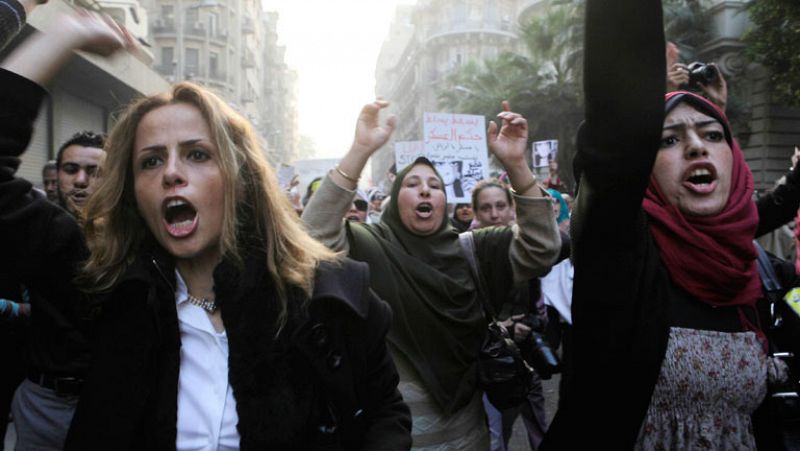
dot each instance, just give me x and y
(669, 325)
(523, 314)
(702, 78)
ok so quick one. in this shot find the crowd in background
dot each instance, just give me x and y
(164, 292)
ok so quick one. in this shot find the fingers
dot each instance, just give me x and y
(673, 52)
(391, 123)
(510, 118)
(505, 105)
(491, 132)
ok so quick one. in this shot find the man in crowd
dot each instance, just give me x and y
(50, 180)
(57, 347)
(78, 160)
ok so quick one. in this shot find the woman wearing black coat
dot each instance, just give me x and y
(223, 325)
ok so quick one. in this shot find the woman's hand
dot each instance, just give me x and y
(511, 142)
(41, 56)
(94, 33)
(509, 145)
(370, 135)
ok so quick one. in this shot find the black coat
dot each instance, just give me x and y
(624, 301)
(326, 382)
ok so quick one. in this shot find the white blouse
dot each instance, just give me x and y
(206, 408)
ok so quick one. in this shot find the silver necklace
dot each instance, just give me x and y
(203, 303)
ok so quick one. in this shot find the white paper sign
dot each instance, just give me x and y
(405, 152)
(285, 175)
(456, 144)
(544, 152)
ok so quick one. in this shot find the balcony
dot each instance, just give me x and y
(194, 29)
(248, 60)
(220, 36)
(248, 27)
(163, 26)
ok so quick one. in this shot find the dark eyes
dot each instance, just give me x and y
(199, 155)
(153, 161)
(150, 162)
(72, 169)
(668, 141)
(711, 135)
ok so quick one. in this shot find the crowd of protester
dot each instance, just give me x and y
(164, 292)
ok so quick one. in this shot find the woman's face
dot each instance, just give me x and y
(421, 201)
(178, 182)
(464, 212)
(556, 206)
(493, 207)
(693, 167)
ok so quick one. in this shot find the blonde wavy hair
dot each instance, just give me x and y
(115, 230)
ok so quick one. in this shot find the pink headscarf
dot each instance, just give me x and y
(711, 257)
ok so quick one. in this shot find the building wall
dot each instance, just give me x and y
(438, 36)
(84, 94)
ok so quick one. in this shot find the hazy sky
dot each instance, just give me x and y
(333, 45)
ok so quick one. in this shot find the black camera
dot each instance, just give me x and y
(700, 74)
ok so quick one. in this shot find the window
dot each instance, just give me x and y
(192, 62)
(213, 65)
(213, 21)
(168, 12)
(167, 60)
(192, 17)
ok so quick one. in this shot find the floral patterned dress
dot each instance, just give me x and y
(710, 384)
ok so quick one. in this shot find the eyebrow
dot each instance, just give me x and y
(682, 125)
(188, 142)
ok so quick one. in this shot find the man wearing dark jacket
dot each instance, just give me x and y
(42, 249)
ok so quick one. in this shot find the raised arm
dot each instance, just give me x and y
(324, 214)
(536, 240)
(41, 57)
(624, 80)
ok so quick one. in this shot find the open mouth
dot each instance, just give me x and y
(180, 217)
(424, 210)
(701, 180)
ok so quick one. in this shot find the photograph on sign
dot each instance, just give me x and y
(544, 152)
(456, 144)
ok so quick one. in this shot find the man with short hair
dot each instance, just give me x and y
(78, 161)
(50, 180)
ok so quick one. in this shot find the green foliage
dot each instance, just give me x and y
(774, 41)
(687, 24)
(544, 84)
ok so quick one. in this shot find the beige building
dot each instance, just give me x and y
(427, 42)
(279, 108)
(89, 89)
(228, 46)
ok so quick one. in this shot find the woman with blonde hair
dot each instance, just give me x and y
(223, 325)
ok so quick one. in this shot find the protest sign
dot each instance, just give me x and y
(544, 152)
(456, 144)
(405, 152)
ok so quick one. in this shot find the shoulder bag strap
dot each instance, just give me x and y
(467, 241)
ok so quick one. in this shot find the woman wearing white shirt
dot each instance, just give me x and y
(223, 324)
